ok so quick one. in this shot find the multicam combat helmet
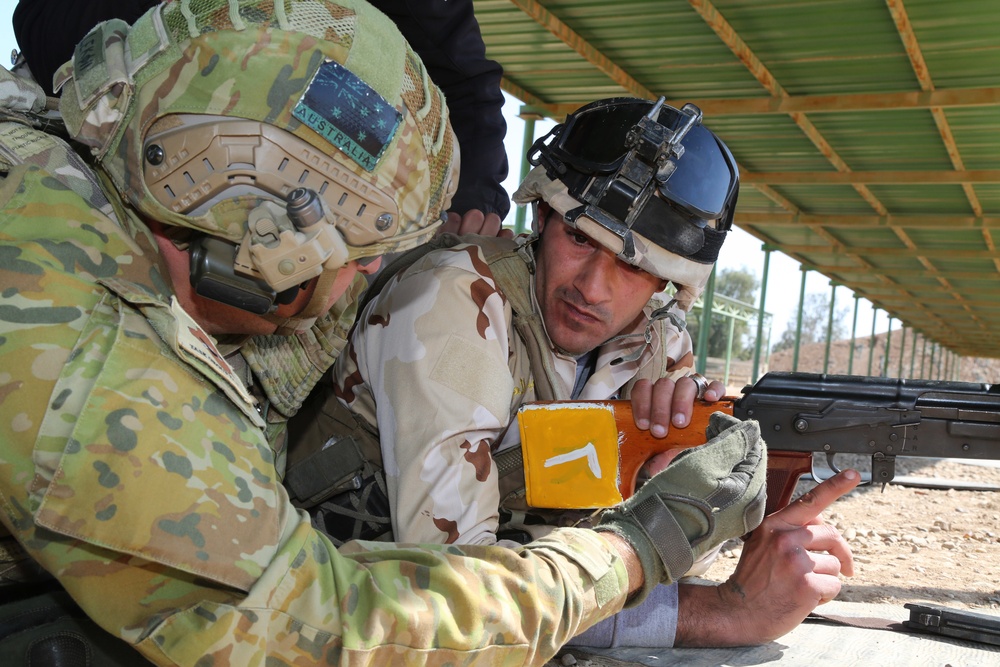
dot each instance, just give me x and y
(296, 134)
(645, 180)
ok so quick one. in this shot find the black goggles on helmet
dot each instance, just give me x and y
(644, 166)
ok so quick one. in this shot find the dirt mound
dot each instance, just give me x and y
(869, 358)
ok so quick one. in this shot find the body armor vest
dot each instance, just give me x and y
(335, 461)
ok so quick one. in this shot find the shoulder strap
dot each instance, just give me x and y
(512, 265)
(21, 144)
(512, 270)
(658, 366)
(25, 141)
(406, 259)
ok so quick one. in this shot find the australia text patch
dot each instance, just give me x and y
(348, 113)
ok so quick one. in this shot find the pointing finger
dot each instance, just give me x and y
(803, 511)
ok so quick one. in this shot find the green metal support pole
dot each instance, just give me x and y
(923, 357)
(931, 367)
(871, 342)
(761, 314)
(529, 138)
(888, 343)
(770, 329)
(854, 329)
(913, 352)
(707, 297)
(729, 350)
(957, 375)
(902, 349)
(798, 321)
(829, 326)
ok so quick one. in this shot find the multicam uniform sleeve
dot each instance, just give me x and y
(653, 623)
(428, 363)
(140, 477)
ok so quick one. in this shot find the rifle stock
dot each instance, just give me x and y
(783, 468)
(799, 414)
(635, 447)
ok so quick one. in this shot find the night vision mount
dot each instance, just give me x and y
(616, 196)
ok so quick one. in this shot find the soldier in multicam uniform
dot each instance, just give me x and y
(629, 195)
(162, 316)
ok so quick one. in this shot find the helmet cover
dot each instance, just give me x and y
(204, 109)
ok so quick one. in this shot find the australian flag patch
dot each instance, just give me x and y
(348, 113)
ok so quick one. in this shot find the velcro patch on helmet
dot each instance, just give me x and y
(345, 111)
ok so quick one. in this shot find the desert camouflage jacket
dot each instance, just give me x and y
(136, 468)
(436, 365)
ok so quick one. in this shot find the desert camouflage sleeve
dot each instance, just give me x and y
(428, 363)
(133, 470)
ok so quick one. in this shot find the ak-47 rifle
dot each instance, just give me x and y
(571, 448)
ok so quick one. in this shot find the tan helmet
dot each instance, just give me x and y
(645, 180)
(295, 135)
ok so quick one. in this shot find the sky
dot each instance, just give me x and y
(741, 250)
(7, 42)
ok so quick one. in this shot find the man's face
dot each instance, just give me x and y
(587, 295)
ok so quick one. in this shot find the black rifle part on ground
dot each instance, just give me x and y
(958, 623)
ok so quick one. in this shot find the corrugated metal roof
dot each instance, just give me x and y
(867, 132)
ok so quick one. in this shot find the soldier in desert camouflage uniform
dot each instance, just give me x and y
(440, 361)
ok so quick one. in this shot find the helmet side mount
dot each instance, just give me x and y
(282, 249)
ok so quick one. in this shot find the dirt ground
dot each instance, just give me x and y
(913, 545)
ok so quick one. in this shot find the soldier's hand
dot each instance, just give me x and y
(790, 564)
(711, 493)
(475, 222)
(657, 406)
